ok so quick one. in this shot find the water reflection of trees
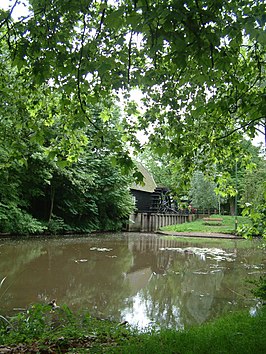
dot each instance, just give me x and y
(91, 280)
(186, 289)
(15, 258)
(181, 297)
(99, 285)
(14, 255)
(69, 272)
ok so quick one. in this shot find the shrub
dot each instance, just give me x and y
(16, 221)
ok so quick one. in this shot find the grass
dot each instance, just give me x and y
(228, 225)
(236, 333)
(61, 331)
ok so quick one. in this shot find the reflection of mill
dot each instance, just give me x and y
(151, 246)
(144, 243)
(154, 261)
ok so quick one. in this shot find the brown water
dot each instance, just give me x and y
(140, 278)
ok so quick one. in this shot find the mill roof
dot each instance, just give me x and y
(149, 183)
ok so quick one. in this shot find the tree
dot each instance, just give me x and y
(165, 170)
(253, 199)
(53, 176)
(202, 192)
(90, 194)
(252, 185)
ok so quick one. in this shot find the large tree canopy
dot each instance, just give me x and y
(199, 63)
(54, 176)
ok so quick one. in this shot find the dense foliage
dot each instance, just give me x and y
(253, 199)
(88, 195)
(53, 180)
(200, 65)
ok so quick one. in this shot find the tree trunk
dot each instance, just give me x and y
(51, 203)
(232, 205)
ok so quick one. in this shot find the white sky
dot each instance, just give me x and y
(20, 10)
(260, 139)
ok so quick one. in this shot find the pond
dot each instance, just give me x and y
(141, 278)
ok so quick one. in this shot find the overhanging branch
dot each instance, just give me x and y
(239, 128)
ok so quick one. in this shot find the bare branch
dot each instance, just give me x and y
(101, 20)
(79, 73)
(5, 20)
(239, 128)
(260, 131)
(129, 57)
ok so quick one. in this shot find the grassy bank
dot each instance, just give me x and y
(215, 242)
(60, 331)
(227, 226)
